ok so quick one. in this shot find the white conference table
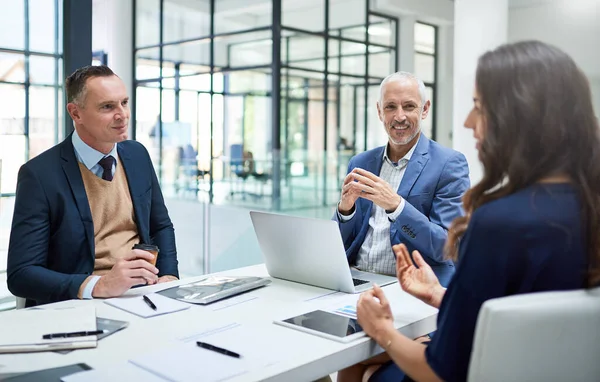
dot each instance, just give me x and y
(295, 356)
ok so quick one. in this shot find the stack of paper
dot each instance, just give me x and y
(23, 330)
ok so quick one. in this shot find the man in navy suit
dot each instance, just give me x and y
(408, 191)
(82, 205)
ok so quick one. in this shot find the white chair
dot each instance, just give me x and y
(550, 336)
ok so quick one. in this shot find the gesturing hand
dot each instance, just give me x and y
(375, 189)
(420, 282)
(133, 269)
(349, 195)
(374, 313)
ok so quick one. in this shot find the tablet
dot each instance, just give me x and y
(325, 324)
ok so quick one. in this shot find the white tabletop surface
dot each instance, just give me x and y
(297, 356)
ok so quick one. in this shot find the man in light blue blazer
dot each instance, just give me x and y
(408, 191)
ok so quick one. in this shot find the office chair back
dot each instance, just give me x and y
(549, 336)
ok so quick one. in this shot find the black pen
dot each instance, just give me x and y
(72, 334)
(204, 345)
(149, 302)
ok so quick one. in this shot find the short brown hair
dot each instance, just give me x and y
(75, 83)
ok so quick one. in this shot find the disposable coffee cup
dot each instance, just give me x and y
(153, 249)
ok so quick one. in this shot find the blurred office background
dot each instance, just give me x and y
(256, 104)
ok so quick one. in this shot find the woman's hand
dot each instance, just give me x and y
(375, 315)
(420, 282)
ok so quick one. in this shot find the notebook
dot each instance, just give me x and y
(22, 330)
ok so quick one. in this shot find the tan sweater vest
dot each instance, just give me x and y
(115, 231)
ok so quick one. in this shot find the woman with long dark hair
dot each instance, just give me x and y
(531, 224)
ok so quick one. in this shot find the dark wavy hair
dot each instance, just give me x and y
(537, 106)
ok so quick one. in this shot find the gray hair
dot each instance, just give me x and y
(398, 76)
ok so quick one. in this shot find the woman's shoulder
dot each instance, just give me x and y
(534, 203)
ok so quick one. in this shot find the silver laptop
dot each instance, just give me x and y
(309, 251)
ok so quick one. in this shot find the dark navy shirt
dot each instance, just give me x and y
(529, 241)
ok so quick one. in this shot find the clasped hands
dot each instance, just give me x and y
(132, 270)
(373, 309)
(360, 183)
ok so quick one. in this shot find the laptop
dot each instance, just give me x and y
(309, 251)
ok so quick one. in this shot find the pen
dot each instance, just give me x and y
(217, 349)
(149, 302)
(72, 334)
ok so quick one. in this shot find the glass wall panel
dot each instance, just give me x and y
(424, 38)
(147, 117)
(303, 51)
(42, 26)
(12, 67)
(147, 22)
(42, 70)
(239, 16)
(191, 53)
(184, 21)
(382, 31)
(308, 16)
(42, 114)
(350, 16)
(12, 18)
(12, 129)
(243, 50)
(425, 67)
(147, 64)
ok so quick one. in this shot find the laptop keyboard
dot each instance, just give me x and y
(358, 282)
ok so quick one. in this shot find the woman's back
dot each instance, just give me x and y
(529, 241)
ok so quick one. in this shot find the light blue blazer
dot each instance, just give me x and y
(433, 185)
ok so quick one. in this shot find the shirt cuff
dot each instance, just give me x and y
(392, 216)
(344, 218)
(87, 291)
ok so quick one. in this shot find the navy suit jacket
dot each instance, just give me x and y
(434, 182)
(51, 250)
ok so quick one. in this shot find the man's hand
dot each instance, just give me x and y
(374, 314)
(419, 282)
(166, 279)
(375, 189)
(349, 195)
(134, 269)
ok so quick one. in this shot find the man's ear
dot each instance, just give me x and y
(74, 112)
(426, 108)
(379, 112)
